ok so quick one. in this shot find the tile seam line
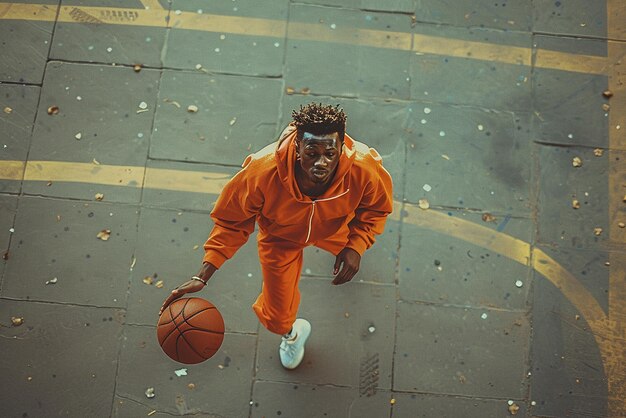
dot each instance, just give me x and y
(59, 303)
(207, 73)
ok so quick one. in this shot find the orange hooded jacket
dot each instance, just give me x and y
(355, 205)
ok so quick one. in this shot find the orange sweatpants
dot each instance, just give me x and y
(281, 264)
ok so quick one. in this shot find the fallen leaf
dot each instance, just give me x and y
(606, 107)
(78, 136)
(597, 231)
(347, 314)
(232, 121)
(423, 204)
(577, 162)
(191, 386)
(104, 234)
(96, 162)
(575, 204)
(53, 110)
(58, 218)
(159, 284)
(5, 256)
(8, 110)
(577, 317)
(52, 281)
(392, 401)
(49, 184)
(621, 224)
(513, 409)
(173, 102)
(624, 199)
(192, 108)
(488, 217)
(195, 247)
(598, 152)
(148, 280)
(305, 90)
(99, 196)
(143, 105)
(445, 157)
(607, 93)
(290, 90)
(17, 320)
(137, 67)
(150, 393)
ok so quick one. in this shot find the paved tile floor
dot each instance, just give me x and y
(505, 296)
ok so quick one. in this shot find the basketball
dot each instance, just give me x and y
(190, 330)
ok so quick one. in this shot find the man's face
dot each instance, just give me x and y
(319, 156)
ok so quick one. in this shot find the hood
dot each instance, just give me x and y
(286, 164)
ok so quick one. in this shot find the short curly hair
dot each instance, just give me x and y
(319, 119)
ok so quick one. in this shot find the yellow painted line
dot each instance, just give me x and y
(12, 170)
(152, 4)
(555, 60)
(21, 11)
(612, 350)
(185, 181)
(58, 171)
(255, 27)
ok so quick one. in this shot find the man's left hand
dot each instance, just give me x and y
(349, 261)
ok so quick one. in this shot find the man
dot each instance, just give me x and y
(315, 186)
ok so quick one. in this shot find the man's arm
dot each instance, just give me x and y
(369, 221)
(372, 212)
(234, 216)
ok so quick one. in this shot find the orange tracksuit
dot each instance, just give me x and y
(349, 214)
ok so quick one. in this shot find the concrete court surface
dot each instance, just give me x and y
(497, 289)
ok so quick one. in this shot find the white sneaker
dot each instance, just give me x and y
(292, 350)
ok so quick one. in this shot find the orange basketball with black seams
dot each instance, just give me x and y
(190, 330)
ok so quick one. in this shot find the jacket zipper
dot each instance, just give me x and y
(308, 234)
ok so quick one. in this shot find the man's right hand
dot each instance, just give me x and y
(190, 286)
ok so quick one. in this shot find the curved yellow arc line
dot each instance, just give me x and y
(516, 250)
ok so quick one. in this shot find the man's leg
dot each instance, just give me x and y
(277, 305)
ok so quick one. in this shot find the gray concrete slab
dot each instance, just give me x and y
(220, 386)
(191, 186)
(560, 183)
(350, 69)
(435, 268)
(112, 134)
(17, 116)
(566, 116)
(60, 362)
(428, 405)
(502, 83)
(350, 340)
(222, 131)
(63, 236)
(107, 36)
(304, 401)
(259, 53)
(576, 18)
(25, 45)
(567, 371)
(508, 16)
(181, 235)
(470, 158)
(433, 355)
